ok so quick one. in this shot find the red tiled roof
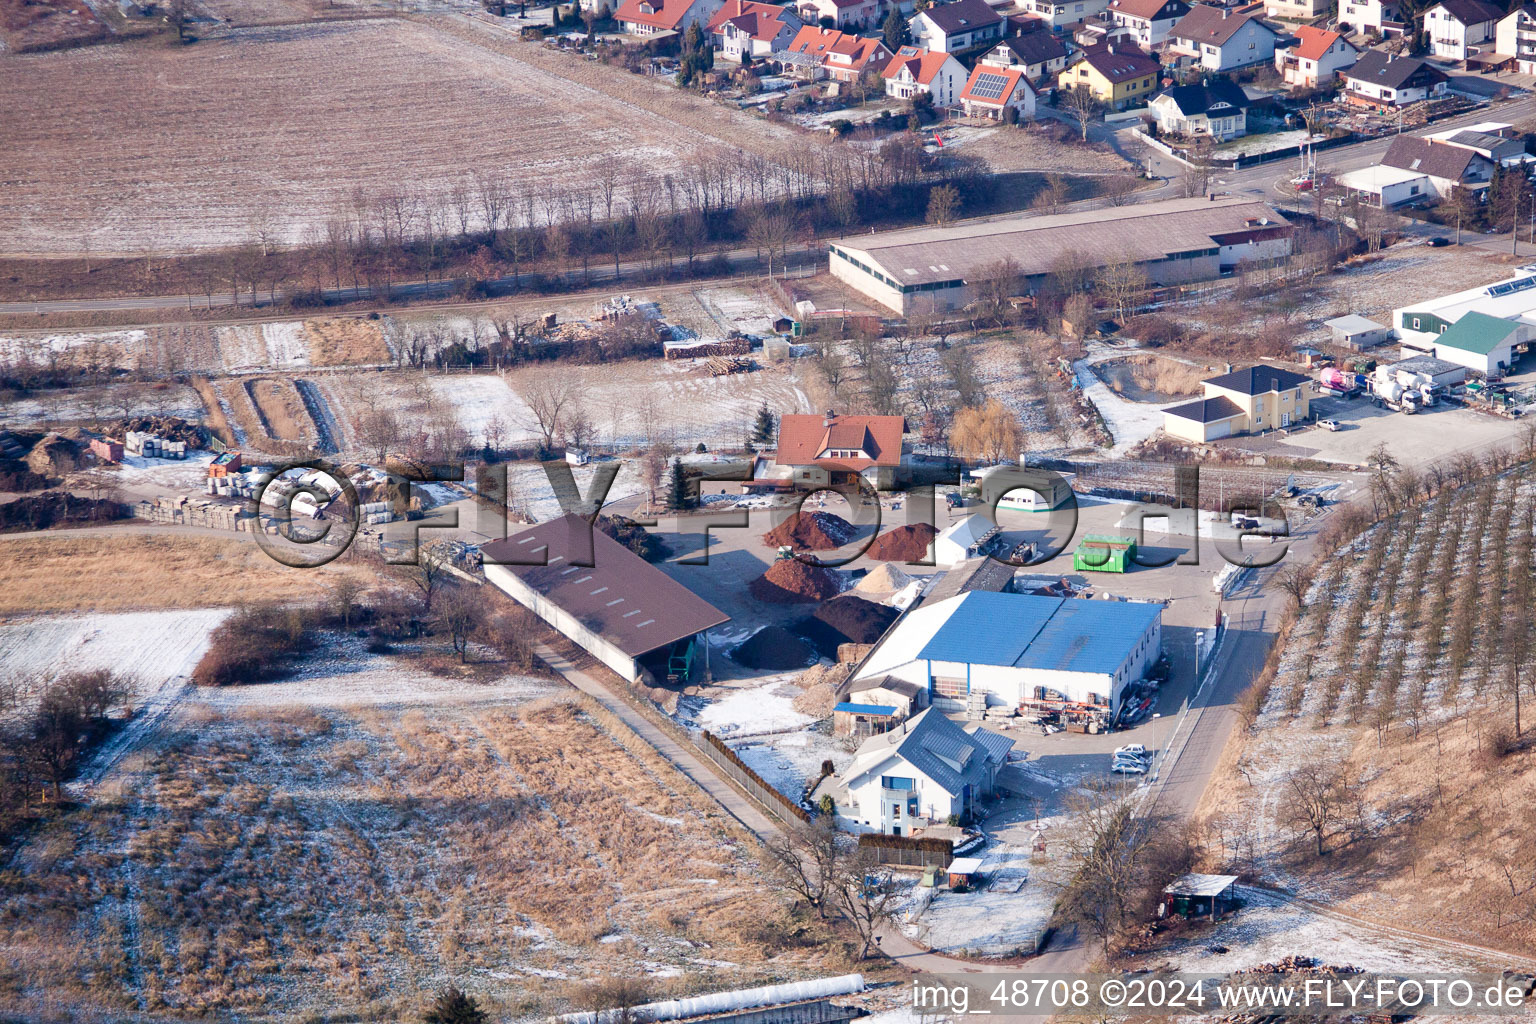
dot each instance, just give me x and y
(923, 64)
(1312, 42)
(662, 14)
(1013, 76)
(1120, 63)
(1206, 24)
(803, 437)
(758, 20)
(825, 42)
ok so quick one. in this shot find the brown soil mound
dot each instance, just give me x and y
(845, 620)
(812, 531)
(817, 676)
(903, 544)
(774, 647)
(53, 456)
(817, 701)
(791, 581)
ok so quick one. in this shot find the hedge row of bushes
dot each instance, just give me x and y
(730, 755)
(928, 845)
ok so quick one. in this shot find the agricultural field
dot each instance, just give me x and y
(257, 132)
(1394, 700)
(351, 839)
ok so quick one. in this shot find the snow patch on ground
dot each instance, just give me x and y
(146, 648)
(477, 399)
(765, 708)
(1130, 423)
(287, 344)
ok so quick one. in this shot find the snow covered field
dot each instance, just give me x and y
(147, 648)
(1001, 918)
(1130, 423)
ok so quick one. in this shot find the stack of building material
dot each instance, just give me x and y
(703, 349)
(376, 512)
(723, 366)
(137, 442)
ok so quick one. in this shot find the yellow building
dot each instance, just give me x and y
(1118, 75)
(1241, 402)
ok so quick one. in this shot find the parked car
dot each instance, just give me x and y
(1438, 242)
(1128, 768)
(1134, 749)
(1329, 424)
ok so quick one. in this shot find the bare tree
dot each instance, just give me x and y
(1315, 800)
(865, 896)
(807, 859)
(462, 616)
(548, 398)
(1082, 106)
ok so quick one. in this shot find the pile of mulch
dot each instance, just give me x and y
(774, 647)
(812, 531)
(172, 428)
(791, 581)
(817, 702)
(904, 544)
(53, 456)
(52, 508)
(819, 686)
(845, 620)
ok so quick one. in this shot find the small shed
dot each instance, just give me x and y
(964, 872)
(1196, 894)
(1104, 554)
(224, 464)
(1356, 332)
(863, 720)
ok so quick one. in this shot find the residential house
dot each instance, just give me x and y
(956, 27)
(1446, 165)
(1385, 187)
(1059, 14)
(1241, 402)
(832, 450)
(1316, 56)
(1456, 27)
(844, 14)
(1101, 31)
(1037, 54)
(1217, 107)
(1148, 20)
(1516, 36)
(1379, 81)
(841, 56)
(993, 91)
(913, 71)
(648, 17)
(921, 772)
(1379, 17)
(1118, 76)
(1221, 39)
(1493, 140)
(745, 29)
(1296, 10)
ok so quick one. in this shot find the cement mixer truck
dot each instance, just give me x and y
(1392, 395)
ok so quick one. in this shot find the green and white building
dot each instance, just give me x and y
(1484, 329)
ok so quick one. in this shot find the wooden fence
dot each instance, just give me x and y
(908, 851)
(781, 806)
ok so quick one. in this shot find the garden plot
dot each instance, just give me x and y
(119, 349)
(485, 406)
(97, 404)
(745, 310)
(261, 346)
(147, 649)
(1003, 917)
(390, 851)
(1270, 927)
(637, 402)
(189, 171)
(529, 490)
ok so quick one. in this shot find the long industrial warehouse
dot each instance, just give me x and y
(1173, 242)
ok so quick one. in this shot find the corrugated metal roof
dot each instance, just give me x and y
(935, 746)
(1195, 884)
(1477, 332)
(865, 709)
(1034, 632)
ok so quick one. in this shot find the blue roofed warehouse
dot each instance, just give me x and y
(1021, 647)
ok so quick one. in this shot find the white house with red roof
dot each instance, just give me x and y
(1316, 57)
(648, 17)
(831, 449)
(746, 29)
(992, 91)
(914, 70)
(841, 56)
(853, 14)
(1147, 20)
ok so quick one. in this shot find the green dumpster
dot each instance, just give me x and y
(1104, 554)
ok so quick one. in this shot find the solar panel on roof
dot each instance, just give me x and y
(989, 86)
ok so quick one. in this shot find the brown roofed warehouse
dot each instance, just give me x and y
(1175, 241)
(622, 610)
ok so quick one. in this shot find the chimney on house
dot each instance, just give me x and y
(1228, 369)
(827, 420)
(1224, 12)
